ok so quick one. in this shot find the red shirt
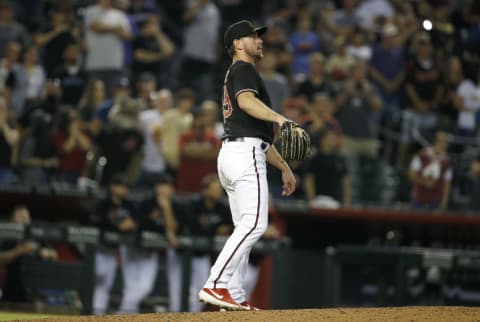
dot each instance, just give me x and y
(442, 174)
(69, 162)
(192, 170)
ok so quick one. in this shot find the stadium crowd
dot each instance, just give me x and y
(123, 94)
(90, 89)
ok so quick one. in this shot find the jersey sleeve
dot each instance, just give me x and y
(244, 79)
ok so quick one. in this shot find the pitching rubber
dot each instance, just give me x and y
(206, 298)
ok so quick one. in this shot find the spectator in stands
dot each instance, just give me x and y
(304, 42)
(210, 112)
(424, 91)
(326, 180)
(346, 18)
(154, 163)
(140, 266)
(207, 216)
(356, 103)
(475, 191)
(198, 155)
(449, 102)
(200, 40)
(11, 255)
(113, 213)
(27, 82)
(338, 65)
(320, 118)
(316, 81)
(72, 76)
(106, 28)
(176, 122)
(151, 48)
(122, 141)
(387, 68)
(71, 145)
(443, 30)
(358, 47)
(146, 85)
(121, 91)
(37, 158)
(277, 85)
(276, 40)
(55, 39)
(431, 175)
(467, 101)
(10, 30)
(7, 64)
(93, 99)
(370, 12)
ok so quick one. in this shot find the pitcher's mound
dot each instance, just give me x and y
(397, 314)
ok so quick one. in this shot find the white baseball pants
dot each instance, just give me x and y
(243, 174)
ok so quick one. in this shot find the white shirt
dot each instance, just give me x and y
(470, 93)
(153, 160)
(105, 50)
(35, 81)
(363, 52)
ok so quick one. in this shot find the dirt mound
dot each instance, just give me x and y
(420, 314)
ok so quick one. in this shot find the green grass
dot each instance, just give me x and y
(9, 316)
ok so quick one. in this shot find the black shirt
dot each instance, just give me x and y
(72, 84)
(53, 51)
(204, 222)
(328, 170)
(109, 215)
(242, 77)
(148, 43)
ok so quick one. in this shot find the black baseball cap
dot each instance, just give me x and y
(239, 29)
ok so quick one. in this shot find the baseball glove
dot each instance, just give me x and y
(294, 142)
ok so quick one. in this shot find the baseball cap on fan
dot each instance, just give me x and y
(242, 28)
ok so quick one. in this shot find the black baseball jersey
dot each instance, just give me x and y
(242, 77)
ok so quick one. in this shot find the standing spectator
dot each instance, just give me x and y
(176, 122)
(356, 103)
(71, 75)
(198, 154)
(113, 213)
(358, 47)
(387, 68)
(92, 100)
(316, 81)
(448, 109)
(339, 63)
(277, 85)
(326, 181)
(55, 39)
(210, 112)
(106, 28)
(9, 143)
(37, 158)
(276, 40)
(431, 175)
(468, 104)
(27, 82)
(10, 30)
(321, 118)
(140, 266)
(150, 50)
(122, 141)
(71, 145)
(346, 18)
(424, 91)
(202, 19)
(8, 64)
(304, 42)
(208, 216)
(146, 85)
(154, 163)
